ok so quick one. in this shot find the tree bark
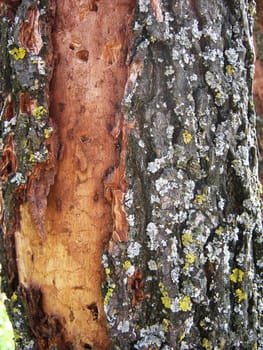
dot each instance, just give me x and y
(131, 202)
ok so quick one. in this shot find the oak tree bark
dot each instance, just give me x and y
(131, 213)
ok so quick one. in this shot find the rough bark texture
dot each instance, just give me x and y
(187, 274)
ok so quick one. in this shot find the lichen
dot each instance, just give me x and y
(48, 132)
(39, 112)
(166, 301)
(18, 53)
(230, 70)
(200, 198)
(190, 259)
(165, 323)
(185, 303)
(240, 294)
(187, 137)
(109, 294)
(127, 264)
(187, 238)
(206, 344)
(236, 275)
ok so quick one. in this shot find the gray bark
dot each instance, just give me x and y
(193, 199)
(190, 275)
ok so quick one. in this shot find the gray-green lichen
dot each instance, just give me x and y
(193, 202)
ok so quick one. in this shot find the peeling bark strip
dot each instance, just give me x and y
(70, 157)
(86, 91)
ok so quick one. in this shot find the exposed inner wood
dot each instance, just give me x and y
(90, 45)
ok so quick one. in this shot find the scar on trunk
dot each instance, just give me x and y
(75, 200)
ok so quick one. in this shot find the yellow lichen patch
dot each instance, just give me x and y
(107, 271)
(240, 294)
(182, 336)
(127, 264)
(230, 70)
(165, 298)
(14, 297)
(109, 294)
(219, 230)
(187, 238)
(18, 53)
(252, 10)
(200, 198)
(187, 137)
(32, 158)
(206, 344)
(190, 258)
(165, 324)
(39, 112)
(152, 39)
(185, 303)
(236, 275)
(47, 132)
(202, 323)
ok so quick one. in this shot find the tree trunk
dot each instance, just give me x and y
(131, 213)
